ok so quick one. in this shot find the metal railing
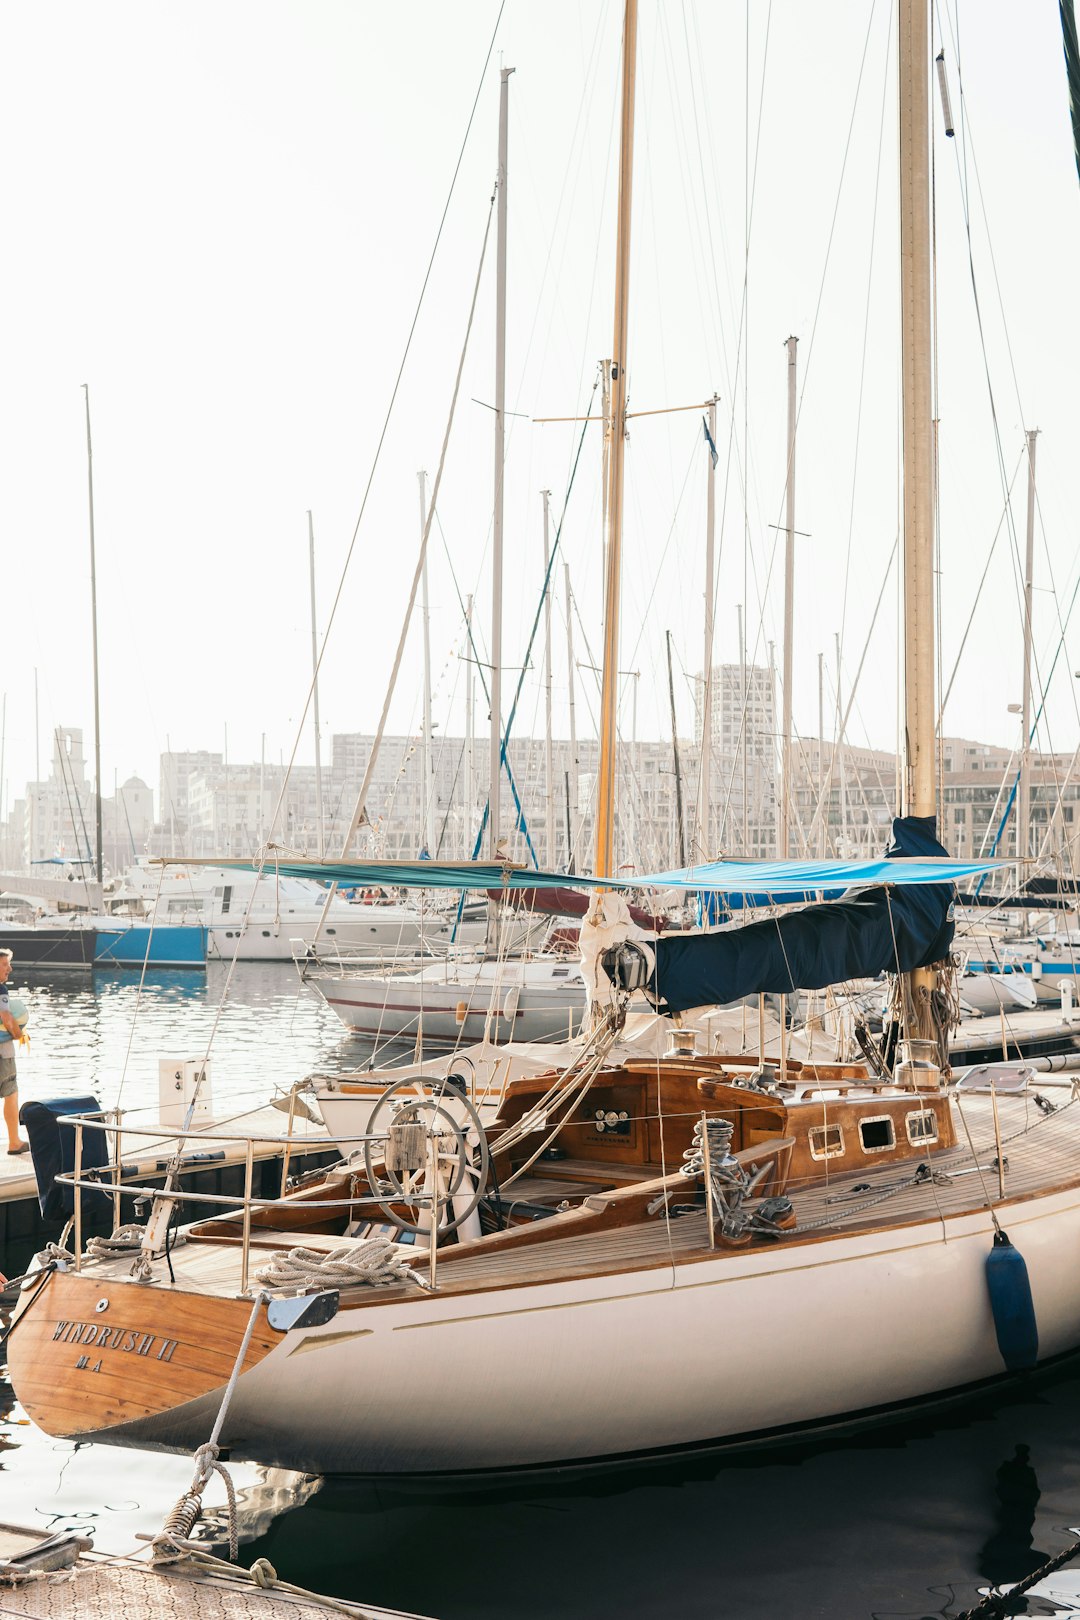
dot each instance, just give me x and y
(247, 1203)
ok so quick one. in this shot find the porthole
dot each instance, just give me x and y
(826, 1142)
(922, 1127)
(877, 1135)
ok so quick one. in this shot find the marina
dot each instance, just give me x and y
(941, 1494)
(576, 1055)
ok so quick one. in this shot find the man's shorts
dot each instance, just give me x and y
(8, 1082)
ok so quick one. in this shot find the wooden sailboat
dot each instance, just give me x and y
(636, 1254)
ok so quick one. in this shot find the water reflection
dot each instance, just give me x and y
(118, 1496)
(107, 1034)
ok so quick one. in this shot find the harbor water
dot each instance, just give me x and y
(909, 1520)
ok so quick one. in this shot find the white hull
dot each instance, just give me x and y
(448, 1006)
(989, 992)
(378, 932)
(720, 1349)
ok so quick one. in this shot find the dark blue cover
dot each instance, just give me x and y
(52, 1149)
(878, 930)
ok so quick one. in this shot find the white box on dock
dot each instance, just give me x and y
(177, 1079)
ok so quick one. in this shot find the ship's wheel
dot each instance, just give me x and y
(426, 1149)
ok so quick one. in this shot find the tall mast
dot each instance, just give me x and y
(704, 804)
(742, 738)
(919, 797)
(314, 700)
(427, 807)
(841, 848)
(680, 824)
(93, 617)
(574, 774)
(605, 794)
(821, 748)
(1023, 809)
(500, 457)
(37, 773)
(783, 842)
(470, 702)
(549, 763)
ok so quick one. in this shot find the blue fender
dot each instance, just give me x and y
(1012, 1305)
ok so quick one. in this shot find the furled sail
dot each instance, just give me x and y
(886, 929)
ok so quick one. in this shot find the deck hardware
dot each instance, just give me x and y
(618, 1123)
(305, 1310)
(102, 1305)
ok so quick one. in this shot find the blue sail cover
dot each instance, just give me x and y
(880, 930)
(758, 882)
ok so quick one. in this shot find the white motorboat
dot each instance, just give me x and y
(1011, 990)
(266, 918)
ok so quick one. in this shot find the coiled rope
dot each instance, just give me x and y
(123, 1240)
(376, 1261)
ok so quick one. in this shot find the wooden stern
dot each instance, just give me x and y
(91, 1353)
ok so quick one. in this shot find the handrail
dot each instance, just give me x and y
(68, 1179)
(204, 1135)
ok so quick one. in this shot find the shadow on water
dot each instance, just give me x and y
(906, 1521)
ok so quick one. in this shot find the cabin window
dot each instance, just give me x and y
(877, 1135)
(226, 898)
(922, 1127)
(826, 1142)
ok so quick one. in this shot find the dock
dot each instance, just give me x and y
(69, 1580)
(217, 1168)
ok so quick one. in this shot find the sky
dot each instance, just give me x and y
(219, 218)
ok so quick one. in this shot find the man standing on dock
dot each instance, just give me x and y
(9, 1084)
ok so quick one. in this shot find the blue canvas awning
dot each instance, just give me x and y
(770, 880)
(764, 880)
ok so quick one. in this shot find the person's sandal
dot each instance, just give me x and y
(23, 1147)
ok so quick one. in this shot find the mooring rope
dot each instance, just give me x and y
(181, 1518)
(1002, 1602)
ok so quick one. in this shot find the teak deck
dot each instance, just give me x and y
(1046, 1155)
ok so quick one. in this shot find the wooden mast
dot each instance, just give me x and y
(919, 789)
(704, 804)
(319, 818)
(783, 843)
(98, 856)
(605, 792)
(495, 764)
(1023, 803)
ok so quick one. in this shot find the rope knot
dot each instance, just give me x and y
(205, 1459)
(263, 1573)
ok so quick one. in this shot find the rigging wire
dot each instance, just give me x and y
(301, 724)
